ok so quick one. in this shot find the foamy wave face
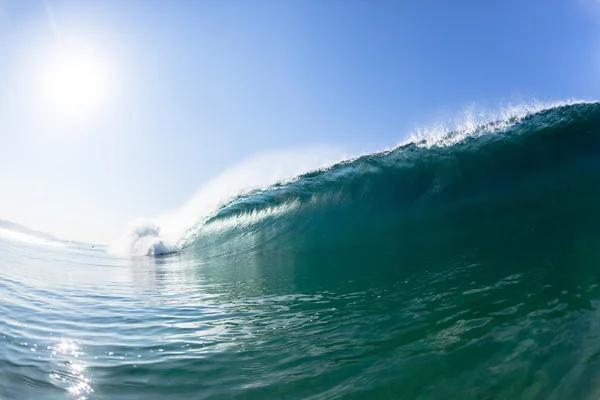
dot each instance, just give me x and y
(247, 219)
(167, 233)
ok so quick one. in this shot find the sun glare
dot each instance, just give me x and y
(76, 84)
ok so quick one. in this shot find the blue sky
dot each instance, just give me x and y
(194, 87)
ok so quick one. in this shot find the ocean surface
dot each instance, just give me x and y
(464, 265)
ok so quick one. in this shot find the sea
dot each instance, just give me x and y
(458, 265)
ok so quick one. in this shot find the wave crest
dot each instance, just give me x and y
(435, 168)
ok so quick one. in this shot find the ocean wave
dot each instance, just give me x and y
(487, 155)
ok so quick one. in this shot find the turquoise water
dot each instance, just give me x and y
(464, 269)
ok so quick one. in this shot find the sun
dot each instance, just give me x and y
(76, 82)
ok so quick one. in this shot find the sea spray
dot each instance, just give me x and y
(165, 234)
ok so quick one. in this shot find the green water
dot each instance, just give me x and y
(477, 276)
(506, 310)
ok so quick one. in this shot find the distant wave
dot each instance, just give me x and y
(484, 159)
(14, 227)
(14, 236)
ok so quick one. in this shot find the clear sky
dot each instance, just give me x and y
(114, 110)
